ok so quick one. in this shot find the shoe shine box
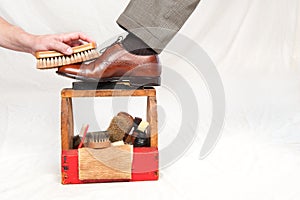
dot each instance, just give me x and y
(112, 164)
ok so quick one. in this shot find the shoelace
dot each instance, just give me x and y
(120, 38)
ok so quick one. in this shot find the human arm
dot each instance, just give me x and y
(14, 38)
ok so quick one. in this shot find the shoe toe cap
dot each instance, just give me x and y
(69, 69)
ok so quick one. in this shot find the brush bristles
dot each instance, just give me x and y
(98, 140)
(51, 62)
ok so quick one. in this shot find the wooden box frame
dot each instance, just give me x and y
(69, 162)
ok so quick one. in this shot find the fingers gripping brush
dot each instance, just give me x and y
(52, 59)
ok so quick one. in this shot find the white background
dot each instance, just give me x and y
(255, 46)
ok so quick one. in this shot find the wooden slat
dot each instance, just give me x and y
(67, 126)
(108, 163)
(152, 119)
(107, 93)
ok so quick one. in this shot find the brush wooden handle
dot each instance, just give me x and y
(77, 49)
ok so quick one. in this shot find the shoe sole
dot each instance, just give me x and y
(136, 81)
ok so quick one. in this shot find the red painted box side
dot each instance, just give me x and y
(144, 166)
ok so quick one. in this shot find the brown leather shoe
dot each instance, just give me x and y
(117, 64)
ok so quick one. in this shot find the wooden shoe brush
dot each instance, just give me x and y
(52, 59)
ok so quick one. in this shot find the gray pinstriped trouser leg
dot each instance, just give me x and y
(156, 21)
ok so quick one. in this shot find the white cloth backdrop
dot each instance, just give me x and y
(255, 45)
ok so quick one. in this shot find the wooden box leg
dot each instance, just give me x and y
(152, 119)
(67, 127)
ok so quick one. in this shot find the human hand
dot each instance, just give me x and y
(59, 42)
